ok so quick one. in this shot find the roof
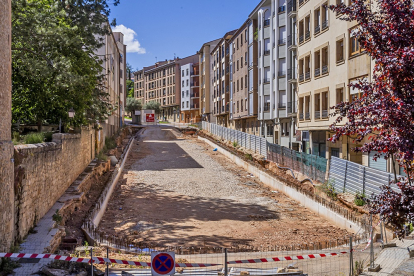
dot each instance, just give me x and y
(242, 27)
(213, 42)
(257, 8)
(227, 36)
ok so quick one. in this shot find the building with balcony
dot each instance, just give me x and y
(190, 93)
(206, 85)
(221, 80)
(329, 59)
(276, 74)
(243, 101)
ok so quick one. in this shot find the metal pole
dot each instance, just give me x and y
(107, 264)
(385, 232)
(225, 262)
(372, 245)
(91, 261)
(351, 258)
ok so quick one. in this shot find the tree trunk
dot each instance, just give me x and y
(39, 125)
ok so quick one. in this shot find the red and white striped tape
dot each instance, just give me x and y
(369, 239)
(96, 260)
(302, 257)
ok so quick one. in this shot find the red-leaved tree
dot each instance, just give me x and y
(385, 112)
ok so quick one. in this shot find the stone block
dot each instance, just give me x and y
(376, 268)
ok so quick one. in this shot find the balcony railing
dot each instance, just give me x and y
(227, 70)
(195, 95)
(282, 73)
(227, 51)
(307, 75)
(307, 35)
(291, 6)
(307, 115)
(291, 73)
(325, 24)
(195, 106)
(317, 29)
(291, 40)
(267, 22)
(267, 52)
(317, 114)
(227, 88)
(301, 117)
(317, 71)
(195, 84)
(282, 105)
(325, 114)
(291, 107)
(266, 80)
(324, 69)
(301, 38)
(266, 107)
(281, 9)
(282, 41)
(301, 77)
(301, 2)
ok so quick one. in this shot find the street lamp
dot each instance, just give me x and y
(71, 113)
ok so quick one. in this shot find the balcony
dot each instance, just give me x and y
(307, 35)
(227, 51)
(227, 88)
(282, 105)
(324, 69)
(267, 22)
(307, 75)
(227, 70)
(307, 115)
(301, 38)
(291, 6)
(195, 84)
(325, 24)
(291, 40)
(195, 95)
(317, 114)
(317, 71)
(317, 29)
(301, 77)
(194, 106)
(281, 9)
(266, 80)
(301, 117)
(267, 52)
(291, 107)
(291, 73)
(281, 74)
(282, 41)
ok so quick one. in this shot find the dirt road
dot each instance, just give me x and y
(178, 192)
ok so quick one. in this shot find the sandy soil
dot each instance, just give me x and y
(178, 192)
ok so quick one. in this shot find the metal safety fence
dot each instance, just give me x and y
(251, 142)
(347, 176)
(310, 165)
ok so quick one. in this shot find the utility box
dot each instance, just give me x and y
(148, 117)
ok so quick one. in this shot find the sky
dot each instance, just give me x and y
(158, 29)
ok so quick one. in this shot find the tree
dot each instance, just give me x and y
(54, 65)
(384, 113)
(153, 105)
(129, 82)
(132, 104)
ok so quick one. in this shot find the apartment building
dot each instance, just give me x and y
(329, 58)
(190, 93)
(276, 91)
(113, 66)
(243, 101)
(221, 79)
(206, 88)
(139, 85)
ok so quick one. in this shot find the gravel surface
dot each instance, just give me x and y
(180, 192)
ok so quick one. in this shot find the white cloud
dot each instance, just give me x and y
(133, 45)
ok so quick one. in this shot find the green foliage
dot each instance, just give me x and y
(256, 34)
(360, 199)
(153, 105)
(34, 138)
(48, 136)
(54, 67)
(110, 143)
(329, 188)
(102, 156)
(7, 266)
(132, 104)
(248, 156)
(358, 267)
(57, 217)
(235, 144)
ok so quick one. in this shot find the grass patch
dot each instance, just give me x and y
(7, 266)
(127, 117)
(34, 138)
(163, 122)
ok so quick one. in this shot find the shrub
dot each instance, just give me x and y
(7, 266)
(48, 136)
(248, 156)
(329, 189)
(235, 144)
(34, 138)
(102, 156)
(110, 143)
(57, 217)
(360, 199)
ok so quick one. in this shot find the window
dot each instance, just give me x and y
(267, 46)
(241, 83)
(245, 81)
(339, 95)
(187, 71)
(245, 105)
(187, 83)
(282, 99)
(355, 93)
(301, 70)
(241, 39)
(266, 103)
(241, 62)
(187, 104)
(282, 35)
(317, 20)
(301, 31)
(340, 50)
(307, 68)
(269, 130)
(183, 83)
(354, 46)
(307, 27)
(325, 18)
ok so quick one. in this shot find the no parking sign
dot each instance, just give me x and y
(162, 263)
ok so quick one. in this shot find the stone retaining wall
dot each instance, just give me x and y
(44, 171)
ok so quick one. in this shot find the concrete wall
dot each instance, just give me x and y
(6, 146)
(44, 171)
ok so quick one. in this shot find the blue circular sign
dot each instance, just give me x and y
(163, 263)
